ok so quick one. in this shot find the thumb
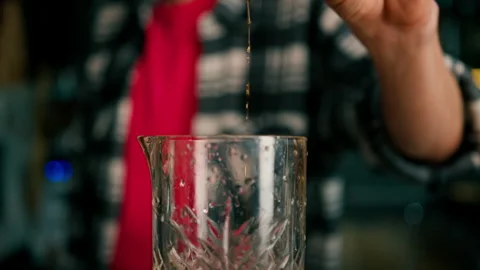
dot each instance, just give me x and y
(351, 10)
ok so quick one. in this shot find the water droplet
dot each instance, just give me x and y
(162, 218)
(220, 159)
(211, 204)
(243, 156)
(182, 183)
(292, 202)
(233, 151)
(205, 211)
(295, 153)
(284, 178)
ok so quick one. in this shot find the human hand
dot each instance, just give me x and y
(390, 22)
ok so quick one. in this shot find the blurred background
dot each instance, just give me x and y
(387, 224)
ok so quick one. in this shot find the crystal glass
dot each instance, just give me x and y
(228, 202)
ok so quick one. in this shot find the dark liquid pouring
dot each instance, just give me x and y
(249, 54)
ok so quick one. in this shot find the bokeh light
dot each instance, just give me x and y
(413, 214)
(58, 171)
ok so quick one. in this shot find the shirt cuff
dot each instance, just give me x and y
(465, 162)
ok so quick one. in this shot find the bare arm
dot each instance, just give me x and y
(421, 101)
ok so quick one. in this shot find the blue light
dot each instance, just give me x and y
(67, 170)
(58, 171)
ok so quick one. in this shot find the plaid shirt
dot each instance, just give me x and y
(309, 75)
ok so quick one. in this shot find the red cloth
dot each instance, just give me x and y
(164, 102)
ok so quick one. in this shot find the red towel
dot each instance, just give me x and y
(164, 102)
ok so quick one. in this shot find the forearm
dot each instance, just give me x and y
(421, 101)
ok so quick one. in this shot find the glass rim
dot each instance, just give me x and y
(218, 137)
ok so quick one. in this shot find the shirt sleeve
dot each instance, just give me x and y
(350, 73)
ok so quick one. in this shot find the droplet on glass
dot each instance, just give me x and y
(243, 156)
(205, 211)
(284, 178)
(182, 183)
(292, 202)
(211, 204)
(295, 153)
(233, 151)
(162, 218)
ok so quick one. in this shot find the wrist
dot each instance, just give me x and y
(389, 53)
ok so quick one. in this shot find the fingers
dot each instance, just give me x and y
(353, 10)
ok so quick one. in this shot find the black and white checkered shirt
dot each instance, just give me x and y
(309, 75)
